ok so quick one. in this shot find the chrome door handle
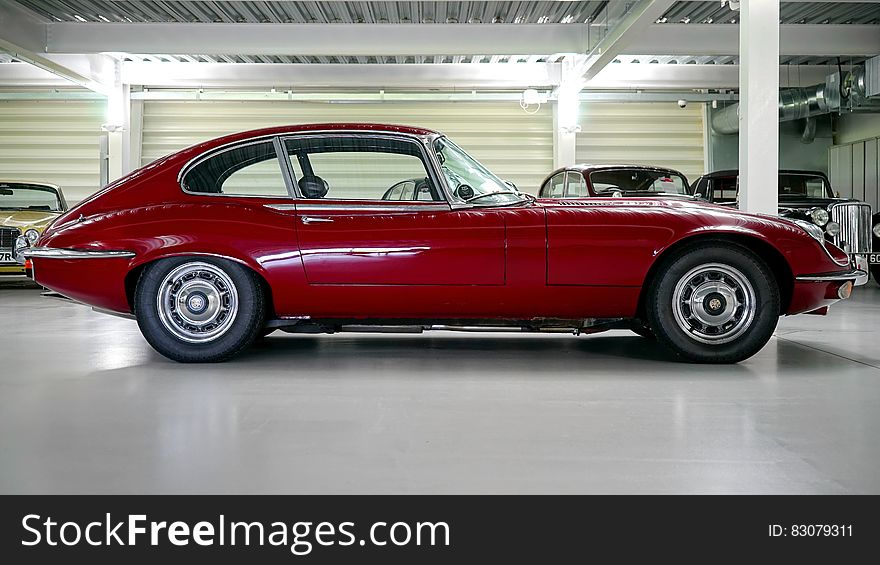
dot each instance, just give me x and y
(313, 220)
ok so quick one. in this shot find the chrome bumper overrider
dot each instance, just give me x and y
(54, 253)
(860, 263)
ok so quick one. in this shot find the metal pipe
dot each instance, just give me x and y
(794, 104)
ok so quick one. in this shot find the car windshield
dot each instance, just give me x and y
(15, 196)
(609, 181)
(803, 186)
(470, 181)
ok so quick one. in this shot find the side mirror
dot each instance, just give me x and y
(465, 192)
(511, 185)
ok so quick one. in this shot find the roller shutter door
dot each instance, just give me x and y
(642, 133)
(52, 141)
(515, 145)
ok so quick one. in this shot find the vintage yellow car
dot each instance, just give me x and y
(26, 209)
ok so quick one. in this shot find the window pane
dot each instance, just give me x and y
(248, 170)
(360, 168)
(557, 186)
(15, 196)
(576, 187)
(634, 181)
(724, 189)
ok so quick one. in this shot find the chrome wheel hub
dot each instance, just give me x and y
(714, 303)
(197, 302)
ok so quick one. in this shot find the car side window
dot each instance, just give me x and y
(396, 192)
(251, 169)
(352, 167)
(575, 186)
(557, 186)
(723, 189)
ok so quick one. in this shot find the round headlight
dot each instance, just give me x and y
(812, 229)
(832, 229)
(877, 230)
(32, 235)
(819, 216)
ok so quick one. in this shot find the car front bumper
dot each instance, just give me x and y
(815, 293)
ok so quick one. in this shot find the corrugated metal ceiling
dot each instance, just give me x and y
(315, 12)
(702, 12)
(424, 12)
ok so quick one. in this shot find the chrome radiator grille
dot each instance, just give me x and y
(855, 226)
(8, 236)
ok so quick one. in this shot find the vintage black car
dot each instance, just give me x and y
(807, 195)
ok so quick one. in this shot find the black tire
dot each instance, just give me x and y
(241, 329)
(642, 329)
(750, 328)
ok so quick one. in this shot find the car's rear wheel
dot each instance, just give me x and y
(199, 309)
(714, 303)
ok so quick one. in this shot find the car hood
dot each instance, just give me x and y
(26, 219)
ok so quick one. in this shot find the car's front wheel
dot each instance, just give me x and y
(714, 303)
(198, 309)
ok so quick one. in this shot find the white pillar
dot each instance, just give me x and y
(564, 139)
(118, 126)
(135, 134)
(566, 111)
(758, 107)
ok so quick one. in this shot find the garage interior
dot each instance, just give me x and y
(91, 90)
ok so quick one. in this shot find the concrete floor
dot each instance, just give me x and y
(87, 407)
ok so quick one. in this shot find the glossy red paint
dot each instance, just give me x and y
(379, 259)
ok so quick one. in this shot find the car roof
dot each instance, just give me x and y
(583, 167)
(330, 126)
(30, 182)
(735, 172)
(232, 138)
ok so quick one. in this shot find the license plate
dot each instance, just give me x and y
(874, 258)
(6, 256)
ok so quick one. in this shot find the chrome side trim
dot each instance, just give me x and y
(855, 274)
(356, 206)
(54, 253)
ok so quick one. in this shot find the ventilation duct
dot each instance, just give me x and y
(794, 104)
(862, 89)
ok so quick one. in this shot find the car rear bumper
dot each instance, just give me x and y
(96, 278)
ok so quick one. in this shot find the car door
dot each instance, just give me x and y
(348, 235)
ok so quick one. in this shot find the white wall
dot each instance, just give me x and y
(857, 127)
(793, 153)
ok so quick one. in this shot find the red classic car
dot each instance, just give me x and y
(295, 228)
